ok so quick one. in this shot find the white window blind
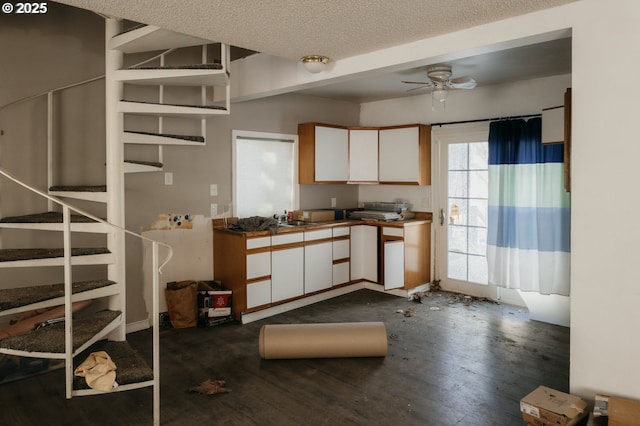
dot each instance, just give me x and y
(265, 173)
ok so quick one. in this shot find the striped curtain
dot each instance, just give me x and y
(528, 242)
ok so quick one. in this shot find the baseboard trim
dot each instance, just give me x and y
(299, 303)
(132, 327)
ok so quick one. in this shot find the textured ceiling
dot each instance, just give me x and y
(334, 28)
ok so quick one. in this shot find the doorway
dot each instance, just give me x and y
(461, 200)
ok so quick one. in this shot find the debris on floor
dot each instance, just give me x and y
(210, 387)
(435, 285)
(469, 300)
(417, 296)
(434, 308)
(407, 313)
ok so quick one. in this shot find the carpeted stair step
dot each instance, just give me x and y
(135, 137)
(135, 166)
(47, 341)
(47, 217)
(171, 110)
(208, 66)
(130, 366)
(10, 255)
(12, 298)
(148, 38)
(81, 192)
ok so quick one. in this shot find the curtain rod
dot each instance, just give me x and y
(513, 117)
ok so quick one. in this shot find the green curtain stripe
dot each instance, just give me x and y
(530, 185)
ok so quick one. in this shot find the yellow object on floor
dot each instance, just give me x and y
(99, 371)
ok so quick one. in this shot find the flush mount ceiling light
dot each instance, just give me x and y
(314, 63)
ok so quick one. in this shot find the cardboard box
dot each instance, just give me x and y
(623, 412)
(318, 215)
(213, 304)
(546, 407)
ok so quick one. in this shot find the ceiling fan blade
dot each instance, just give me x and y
(421, 88)
(462, 83)
(426, 83)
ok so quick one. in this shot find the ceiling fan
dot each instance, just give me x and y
(440, 81)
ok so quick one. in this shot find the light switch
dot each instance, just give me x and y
(214, 210)
(213, 189)
(333, 202)
(168, 178)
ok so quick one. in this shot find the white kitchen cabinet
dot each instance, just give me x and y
(287, 273)
(341, 273)
(363, 155)
(405, 155)
(318, 266)
(258, 293)
(393, 264)
(364, 253)
(258, 265)
(331, 154)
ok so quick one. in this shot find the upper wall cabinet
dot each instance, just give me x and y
(405, 155)
(323, 154)
(363, 155)
(389, 155)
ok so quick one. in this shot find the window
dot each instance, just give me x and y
(265, 173)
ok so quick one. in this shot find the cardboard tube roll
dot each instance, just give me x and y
(330, 340)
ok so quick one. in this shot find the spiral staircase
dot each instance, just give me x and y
(73, 335)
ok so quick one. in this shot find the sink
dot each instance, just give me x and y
(294, 223)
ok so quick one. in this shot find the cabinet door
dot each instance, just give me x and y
(363, 155)
(340, 273)
(340, 249)
(331, 154)
(364, 253)
(287, 273)
(318, 267)
(258, 293)
(393, 264)
(400, 155)
(258, 265)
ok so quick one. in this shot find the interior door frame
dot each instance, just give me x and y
(441, 138)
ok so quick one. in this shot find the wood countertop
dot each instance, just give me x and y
(219, 225)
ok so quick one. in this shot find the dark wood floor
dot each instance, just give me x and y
(450, 363)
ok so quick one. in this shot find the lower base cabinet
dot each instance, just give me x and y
(258, 293)
(318, 267)
(287, 273)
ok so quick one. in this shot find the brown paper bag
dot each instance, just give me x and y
(181, 300)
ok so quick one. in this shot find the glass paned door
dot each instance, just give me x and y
(467, 200)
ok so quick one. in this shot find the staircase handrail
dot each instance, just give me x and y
(89, 215)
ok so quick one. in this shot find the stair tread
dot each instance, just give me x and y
(179, 105)
(9, 255)
(50, 339)
(208, 66)
(167, 135)
(79, 188)
(16, 297)
(130, 366)
(145, 163)
(47, 217)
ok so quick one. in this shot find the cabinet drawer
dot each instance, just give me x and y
(258, 265)
(340, 249)
(341, 273)
(258, 293)
(393, 232)
(319, 234)
(295, 237)
(341, 231)
(253, 243)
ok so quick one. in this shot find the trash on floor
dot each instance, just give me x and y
(210, 387)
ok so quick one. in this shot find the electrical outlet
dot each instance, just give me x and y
(213, 189)
(168, 178)
(214, 210)
(333, 202)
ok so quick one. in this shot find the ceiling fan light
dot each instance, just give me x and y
(439, 95)
(314, 63)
